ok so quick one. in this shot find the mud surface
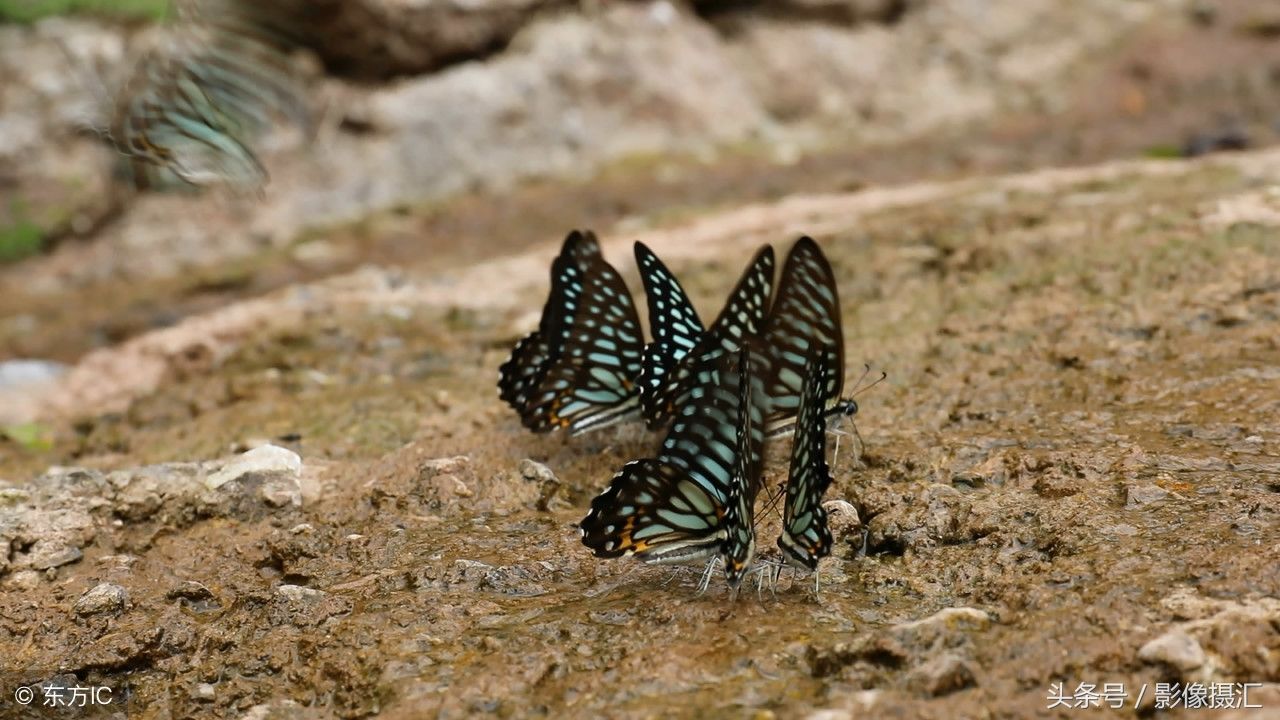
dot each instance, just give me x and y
(1074, 454)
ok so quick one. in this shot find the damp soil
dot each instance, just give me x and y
(1079, 430)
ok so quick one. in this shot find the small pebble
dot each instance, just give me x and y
(1139, 495)
(534, 471)
(943, 675)
(50, 555)
(24, 580)
(297, 593)
(102, 598)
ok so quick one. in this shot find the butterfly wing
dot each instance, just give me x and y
(744, 311)
(805, 538)
(592, 383)
(521, 374)
(805, 316)
(674, 324)
(667, 376)
(672, 318)
(672, 508)
(739, 543)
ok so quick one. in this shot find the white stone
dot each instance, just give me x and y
(1175, 649)
(298, 593)
(267, 459)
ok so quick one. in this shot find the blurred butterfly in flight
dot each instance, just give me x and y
(195, 108)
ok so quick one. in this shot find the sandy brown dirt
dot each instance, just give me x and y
(1077, 451)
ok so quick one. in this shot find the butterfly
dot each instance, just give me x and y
(805, 538)
(533, 355)
(694, 500)
(804, 317)
(578, 370)
(194, 109)
(665, 376)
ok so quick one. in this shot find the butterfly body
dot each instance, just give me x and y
(832, 415)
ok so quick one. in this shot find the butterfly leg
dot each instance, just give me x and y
(705, 582)
(836, 428)
(766, 577)
(861, 446)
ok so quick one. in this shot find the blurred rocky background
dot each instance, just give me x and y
(425, 100)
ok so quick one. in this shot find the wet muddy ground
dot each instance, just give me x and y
(1076, 453)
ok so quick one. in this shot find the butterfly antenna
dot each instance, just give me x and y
(835, 453)
(860, 388)
(866, 368)
(774, 499)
